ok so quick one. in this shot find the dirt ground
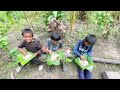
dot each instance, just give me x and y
(103, 49)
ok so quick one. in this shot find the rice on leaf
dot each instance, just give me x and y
(89, 65)
(55, 58)
(23, 60)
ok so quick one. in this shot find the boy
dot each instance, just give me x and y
(32, 45)
(53, 44)
(84, 46)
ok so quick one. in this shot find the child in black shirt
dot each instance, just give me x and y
(31, 45)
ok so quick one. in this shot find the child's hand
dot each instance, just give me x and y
(36, 54)
(82, 57)
(24, 53)
(50, 52)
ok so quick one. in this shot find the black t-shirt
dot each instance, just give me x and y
(33, 46)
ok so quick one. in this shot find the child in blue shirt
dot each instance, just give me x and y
(84, 46)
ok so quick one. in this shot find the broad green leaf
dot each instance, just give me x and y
(50, 17)
(88, 67)
(49, 62)
(25, 61)
(68, 60)
(10, 18)
(56, 62)
(55, 14)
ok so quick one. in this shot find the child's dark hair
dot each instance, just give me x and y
(91, 39)
(55, 36)
(27, 31)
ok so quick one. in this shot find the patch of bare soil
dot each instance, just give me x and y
(105, 49)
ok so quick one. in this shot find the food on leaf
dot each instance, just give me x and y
(27, 56)
(54, 57)
(67, 51)
(84, 63)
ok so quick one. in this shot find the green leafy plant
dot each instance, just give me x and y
(13, 53)
(4, 42)
(53, 14)
(6, 20)
(103, 19)
(10, 17)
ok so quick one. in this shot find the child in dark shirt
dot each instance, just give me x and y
(31, 45)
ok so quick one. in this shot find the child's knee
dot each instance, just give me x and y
(36, 61)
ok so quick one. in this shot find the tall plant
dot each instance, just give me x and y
(102, 19)
(53, 14)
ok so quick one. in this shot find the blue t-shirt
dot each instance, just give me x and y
(79, 49)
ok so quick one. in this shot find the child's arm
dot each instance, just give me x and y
(22, 51)
(39, 47)
(45, 47)
(20, 48)
(89, 53)
(75, 49)
(60, 46)
(46, 50)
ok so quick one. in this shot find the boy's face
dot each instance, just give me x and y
(28, 37)
(87, 44)
(55, 42)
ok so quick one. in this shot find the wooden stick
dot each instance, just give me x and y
(109, 61)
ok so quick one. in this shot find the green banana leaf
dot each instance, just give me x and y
(68, 60)
(55, 14)
(89, 67)
(88, 58)
(50, 62)
(23, 61)
(56, 62)
(80, 65)
(61, 54)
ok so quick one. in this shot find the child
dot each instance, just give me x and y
(84, 46)
(32, 45)
(53, 44)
